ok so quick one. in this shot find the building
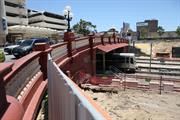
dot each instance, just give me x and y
(125, 29)
(16, 12)
(3, 23)
(47, 20)
(152, 25)
(13, 12)
(18, 21)
(146, 27)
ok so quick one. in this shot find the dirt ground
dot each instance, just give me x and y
(139, 105)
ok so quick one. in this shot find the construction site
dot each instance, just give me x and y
(151, 93)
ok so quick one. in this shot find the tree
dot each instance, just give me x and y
(143, 33)
(160, 30)
(178, 30)
(84, 27)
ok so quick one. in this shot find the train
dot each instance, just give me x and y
(125, 62)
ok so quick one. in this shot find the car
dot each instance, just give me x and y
(2, 56)
(27, 46)
(9, 48)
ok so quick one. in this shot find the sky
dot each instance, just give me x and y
(106, 14)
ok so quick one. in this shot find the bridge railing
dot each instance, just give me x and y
(59, 50)
(22, 72)
(19, 85)
(26, 79)
(65, 99)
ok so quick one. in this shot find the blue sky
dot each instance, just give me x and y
(107, 13)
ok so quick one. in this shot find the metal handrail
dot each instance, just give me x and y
(118, 73)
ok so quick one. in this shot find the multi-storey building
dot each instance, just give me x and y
(152, 25)
(125, 29)
(17, 20)
(47, 20)
(16, 12)
(12, 12)
(146, 27)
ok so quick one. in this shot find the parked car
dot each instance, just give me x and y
(2, 56)
(27, 46)
(9, 48)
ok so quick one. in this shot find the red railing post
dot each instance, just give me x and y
(114, 37)
(118, 40)
(91, 44)
(69, 37)
(102, 39)
(109, 38)
(10, 108)
(45, 48)
(92, 53)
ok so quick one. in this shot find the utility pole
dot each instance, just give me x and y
(125, 82)
(150, 57)
(160, 88)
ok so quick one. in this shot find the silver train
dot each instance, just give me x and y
(124, 61)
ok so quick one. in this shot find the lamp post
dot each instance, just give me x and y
(69, 36)
(68, 16)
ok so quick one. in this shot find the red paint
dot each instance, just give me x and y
(108, 48)
(109, 38)
(45, 48)
(32, 108)
(19, 64)
(69, 37)
(102, 40)
(28, 95)
(14, 111)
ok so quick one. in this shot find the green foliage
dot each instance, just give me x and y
(143, 33)
(178, 30)
(83, 27)
(2, 56)
(147, 79)
(160, 30)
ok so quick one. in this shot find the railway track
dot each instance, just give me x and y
(166, 68)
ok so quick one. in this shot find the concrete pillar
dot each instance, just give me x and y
(3, 23)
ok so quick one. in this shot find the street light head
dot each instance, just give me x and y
(68, 16)
(71, 15)
(65, 12)
(68, 8)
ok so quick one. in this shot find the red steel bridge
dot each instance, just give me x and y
(24, 82)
